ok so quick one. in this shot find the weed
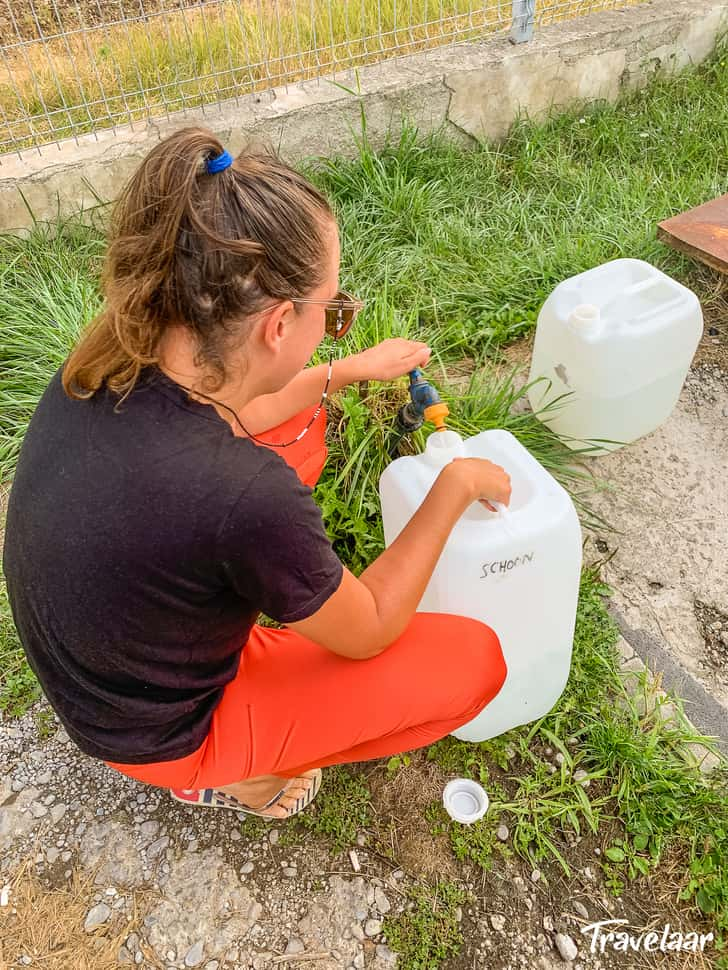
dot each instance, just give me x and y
(429, 933)
(254, 829)
(463, 759)
(45, 723)
(476, 842)
(398, 761)
(341, 809)
(266, 621)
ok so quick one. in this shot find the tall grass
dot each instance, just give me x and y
(88, 79)
(476, 240)
(456, 247)
(48, 292)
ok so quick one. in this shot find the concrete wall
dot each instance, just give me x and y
(473, 91)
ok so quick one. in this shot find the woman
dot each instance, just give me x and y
(163, 499)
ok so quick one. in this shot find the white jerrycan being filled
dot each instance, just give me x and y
(516, 570)
(618, 339)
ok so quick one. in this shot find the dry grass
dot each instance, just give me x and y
(47, 925)
(401, 799)
(175, 57)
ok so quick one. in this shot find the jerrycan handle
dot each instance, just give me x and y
(504, 511)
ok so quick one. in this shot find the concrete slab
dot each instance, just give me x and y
(669, 556)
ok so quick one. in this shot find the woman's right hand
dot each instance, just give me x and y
(367, 614)
(485, 481)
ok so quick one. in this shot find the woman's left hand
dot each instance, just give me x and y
(391, 358)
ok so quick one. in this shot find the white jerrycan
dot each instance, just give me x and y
(618, 339)
(516, 570)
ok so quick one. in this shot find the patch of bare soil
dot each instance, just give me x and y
(518, 353)
(400, 802)
(713, 625)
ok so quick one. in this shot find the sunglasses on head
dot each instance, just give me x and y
(340, 313)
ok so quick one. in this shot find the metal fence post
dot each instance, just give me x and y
(524, 12)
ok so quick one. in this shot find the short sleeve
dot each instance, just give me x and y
(274, 549)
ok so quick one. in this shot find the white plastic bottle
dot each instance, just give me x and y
(517, 572)
(612, 349)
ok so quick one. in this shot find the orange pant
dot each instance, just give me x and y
(294, 705)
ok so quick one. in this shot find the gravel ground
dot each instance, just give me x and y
(202, 888)
(215, 894)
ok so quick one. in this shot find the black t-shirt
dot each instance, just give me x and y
(140, 546)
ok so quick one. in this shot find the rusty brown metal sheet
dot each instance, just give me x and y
(701, 233)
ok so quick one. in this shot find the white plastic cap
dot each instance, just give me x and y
(465, 800)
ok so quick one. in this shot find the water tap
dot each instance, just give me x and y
(425, 405)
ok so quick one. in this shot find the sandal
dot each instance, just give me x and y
(214, 798)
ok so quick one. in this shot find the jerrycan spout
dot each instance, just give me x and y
(443, 447)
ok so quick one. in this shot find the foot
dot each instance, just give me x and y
(257, 792)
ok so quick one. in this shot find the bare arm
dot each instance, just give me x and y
(365, 615)
(385, 361)
(270, 410)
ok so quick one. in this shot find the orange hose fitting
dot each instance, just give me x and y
(437, 414)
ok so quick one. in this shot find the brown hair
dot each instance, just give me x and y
(201, 250)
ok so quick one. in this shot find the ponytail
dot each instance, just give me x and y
(200, 248)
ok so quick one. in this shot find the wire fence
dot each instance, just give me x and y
(69, 67)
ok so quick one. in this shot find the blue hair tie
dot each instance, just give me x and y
(219, 164)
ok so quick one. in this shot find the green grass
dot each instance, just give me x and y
(347, 491)
(18, 686)
(460, 247)
(476, 240)
(48, 292)
(341, 810)
(430, 932)
(45, 723)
